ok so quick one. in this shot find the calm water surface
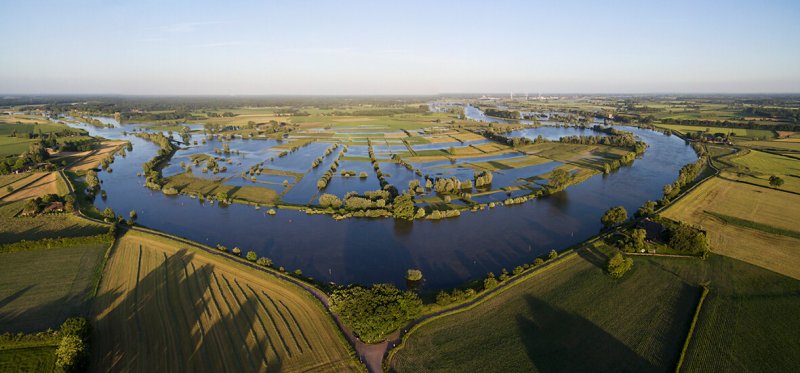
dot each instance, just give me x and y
(449, 252)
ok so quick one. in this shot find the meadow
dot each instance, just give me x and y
(763, 247)
(165, 307)
(571, 317)
(15, 228)
(28, 359)
(41, 288)
(739, 132)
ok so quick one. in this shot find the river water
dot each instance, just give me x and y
(449, 252)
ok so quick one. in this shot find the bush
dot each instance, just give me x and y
(614, 216)
(71, 354)
(264, 262)
(236, 251)
(374, 313)
(490, 282)
(552, 255)
(538, 261)
(252, 256)
(414, 275)
(618, 265)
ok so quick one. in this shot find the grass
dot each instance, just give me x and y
(41, 288)
(575, 318)
(163, 307)
(13, 229)
(28, 359)
(740, 132)
(754, 225)
(749, 320)
(14, 146)
(722, 206)
(572, 317)
(188, 184)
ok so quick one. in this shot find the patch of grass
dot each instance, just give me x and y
(765, 207)
(188, 184)
(572, 317)
(28, 359)
(206, 313)
(14, 146)
(13, 229)
(755, 225)
(41, 288)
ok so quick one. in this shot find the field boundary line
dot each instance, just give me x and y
(474, 303)
(692, 326)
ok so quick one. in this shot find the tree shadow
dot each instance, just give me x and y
(559, 341)
(179, 316)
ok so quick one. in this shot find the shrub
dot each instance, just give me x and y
(264, 262)
(618, 265)
(614, 216)
(414, 275)
(71, 353)
(252, 256)
(552, 255)
(374, 313)
(237, 251)
(538, 261)
(490, 282)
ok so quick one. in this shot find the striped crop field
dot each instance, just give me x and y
(163, 307)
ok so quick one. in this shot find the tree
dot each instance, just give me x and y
(647, 209)
(552, 255)
(404, 207)
(330, 200)
(614, 216)
(775, 181)
(687, 239)
(559, 179)
(237, 251)
(252, 256)
(374, 313)
(414, 275)
(132, 214)
(638, 236)
(71, 353)
(490, 282)
(91, 179)
(617, 265)
(264, 262)
(108, 214)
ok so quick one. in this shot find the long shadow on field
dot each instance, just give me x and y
(558, 341)
(180, 316)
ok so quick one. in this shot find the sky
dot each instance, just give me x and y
(398, 47)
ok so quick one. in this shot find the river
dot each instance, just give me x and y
(449, 252)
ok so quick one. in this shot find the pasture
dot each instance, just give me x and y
(571, 317)
(765, 206)
(41, 288)
(14, 229)
(739, 132)
(164, 307)
(28, 359)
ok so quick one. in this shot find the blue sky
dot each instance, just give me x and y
(398, 47)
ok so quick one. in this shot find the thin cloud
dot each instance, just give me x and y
(186, 27)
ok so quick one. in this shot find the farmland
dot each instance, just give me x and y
(41, 288)
(216, 314)
(567, 318)
(752, 203)
(46, 226)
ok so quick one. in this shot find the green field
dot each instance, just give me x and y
(13, 229)
(571, 317)
(741, 132)
(27, 359)
(41, 288)
(749, 320)
(188, 184)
